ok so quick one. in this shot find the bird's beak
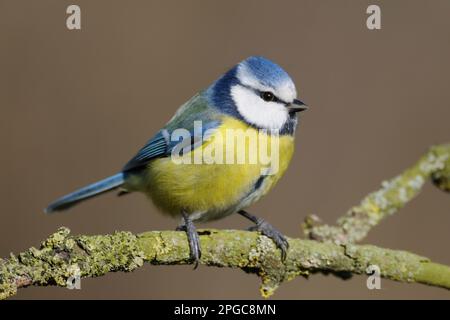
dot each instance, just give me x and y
(297, 106)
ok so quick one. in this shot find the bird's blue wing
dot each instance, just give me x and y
(161, 144)
(154, 148)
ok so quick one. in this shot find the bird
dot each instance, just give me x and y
(256, 95)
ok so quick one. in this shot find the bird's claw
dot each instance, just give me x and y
(269, 231)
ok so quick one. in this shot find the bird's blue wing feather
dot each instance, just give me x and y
(161, 145)
(155, 147)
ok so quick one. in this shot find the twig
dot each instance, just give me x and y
(393, 195)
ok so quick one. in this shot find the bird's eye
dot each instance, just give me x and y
(267, 96)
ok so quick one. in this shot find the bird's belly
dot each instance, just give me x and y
(211, 191)
(198, 188)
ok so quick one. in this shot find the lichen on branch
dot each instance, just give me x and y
(63, 256)
(330, 249)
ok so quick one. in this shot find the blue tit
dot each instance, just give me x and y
(255, 96)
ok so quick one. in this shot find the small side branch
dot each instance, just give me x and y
(393, 195)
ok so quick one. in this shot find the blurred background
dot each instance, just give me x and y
(76, 105)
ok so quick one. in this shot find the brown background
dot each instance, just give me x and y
(76, 105)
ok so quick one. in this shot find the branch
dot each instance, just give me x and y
(62, 256)
(393, 195)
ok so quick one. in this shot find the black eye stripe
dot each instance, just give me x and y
(273, 99)
(260, 93)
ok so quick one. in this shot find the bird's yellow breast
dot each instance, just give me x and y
(205, 184)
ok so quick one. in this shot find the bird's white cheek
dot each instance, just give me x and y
(267, 115)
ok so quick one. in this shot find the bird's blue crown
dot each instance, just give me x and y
(266, 71)
(257, 75)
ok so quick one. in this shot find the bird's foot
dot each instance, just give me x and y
(193, 239)
(269, 231)
(181, 227)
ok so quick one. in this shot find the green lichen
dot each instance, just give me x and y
(7, 285)
(265, 258)
(395, 265)
(117, 252)
(441, 176)
(62, 256)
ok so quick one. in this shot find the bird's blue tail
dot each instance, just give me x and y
(87, 192)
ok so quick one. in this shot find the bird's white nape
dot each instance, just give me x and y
(256, 111)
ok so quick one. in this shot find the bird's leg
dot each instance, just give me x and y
(268, 230)
(181, 226)
(192, 235)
